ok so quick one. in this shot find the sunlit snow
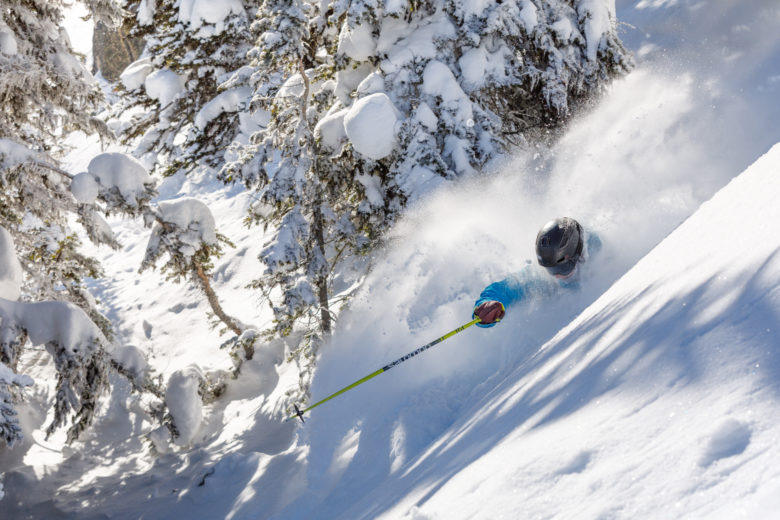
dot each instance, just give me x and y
(650, 393)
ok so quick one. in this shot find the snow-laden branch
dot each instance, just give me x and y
(47, 166)
(70, 337)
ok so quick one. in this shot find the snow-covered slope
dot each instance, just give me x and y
(660, 400)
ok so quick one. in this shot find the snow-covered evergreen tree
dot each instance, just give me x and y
(311, 206)
(467, 79)
(10, 382)
(181, 118)
(46, 94)
(372, 103)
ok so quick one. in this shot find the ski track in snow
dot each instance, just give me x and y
(667, 383)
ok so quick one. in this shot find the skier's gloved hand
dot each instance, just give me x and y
(489, 312)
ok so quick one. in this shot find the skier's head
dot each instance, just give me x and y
(559, 246)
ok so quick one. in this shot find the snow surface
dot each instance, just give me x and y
(651, 393)
(666, 384)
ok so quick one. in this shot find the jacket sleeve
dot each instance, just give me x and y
(594, 244)
(508, 291)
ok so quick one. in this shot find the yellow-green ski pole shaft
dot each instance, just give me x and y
(299, 413)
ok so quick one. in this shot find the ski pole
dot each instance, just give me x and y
(299, 413)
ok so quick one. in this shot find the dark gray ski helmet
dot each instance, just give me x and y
(559, 245)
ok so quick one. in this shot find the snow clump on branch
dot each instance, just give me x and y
(115, 177)
(370, 126)
(14, 154)
(196, 13)
(185, 225)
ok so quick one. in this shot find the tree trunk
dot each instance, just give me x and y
(214, 301)
(322, 278)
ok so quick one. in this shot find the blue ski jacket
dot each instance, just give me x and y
(533, 281)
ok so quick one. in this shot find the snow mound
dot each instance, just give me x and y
(145, 15)
(357, 42)
(184, 402)
(439, 81)
(85, 188)
(52, 322)
(372, 84)
(330, 129)
(599, 17)
(13, 154)
(731, 439)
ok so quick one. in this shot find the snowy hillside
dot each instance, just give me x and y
(650, 393)
(660, 400)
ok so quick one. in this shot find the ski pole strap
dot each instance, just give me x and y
(299, 413)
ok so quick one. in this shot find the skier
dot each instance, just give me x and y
(561, 247)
